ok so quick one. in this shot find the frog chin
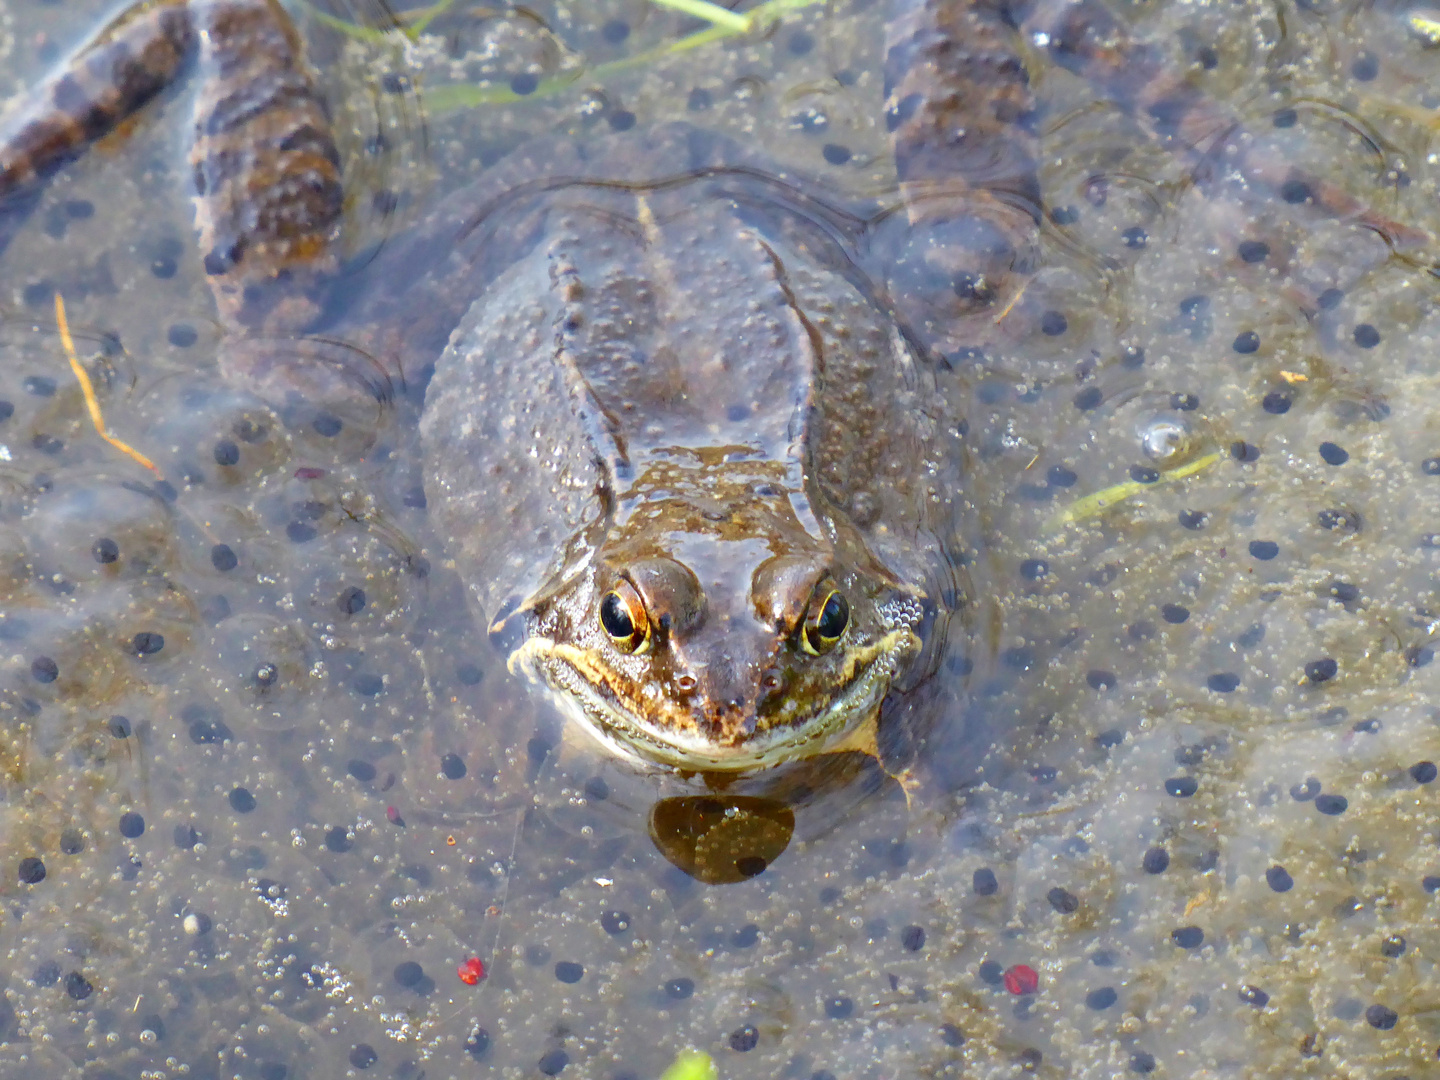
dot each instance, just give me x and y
(568, 672)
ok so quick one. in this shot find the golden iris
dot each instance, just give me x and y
(622, 615)
(825, 621)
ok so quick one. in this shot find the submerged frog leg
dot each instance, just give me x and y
(267, 173)
(265, 168)
(961, 116)
(117, 73)
(1084, 37)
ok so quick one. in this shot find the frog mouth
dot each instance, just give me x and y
(580, 685)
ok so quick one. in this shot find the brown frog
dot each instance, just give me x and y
(717, 485)
(693, 436)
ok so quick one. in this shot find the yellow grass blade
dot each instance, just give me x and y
(1102, 500)
(714, 14)
(692, 1065)
(91, 402)
(442, 99)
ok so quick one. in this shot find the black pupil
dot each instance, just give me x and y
(833, 616)
(614, 617)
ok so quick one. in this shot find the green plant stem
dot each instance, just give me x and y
(714, 14)
(441, 99)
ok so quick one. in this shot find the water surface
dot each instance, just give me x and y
(1184, 775)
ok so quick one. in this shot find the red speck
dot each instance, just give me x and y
(309, 472)
(393, 815)
(1022, 979)
(471, 971)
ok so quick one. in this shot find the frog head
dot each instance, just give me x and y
(722, 636)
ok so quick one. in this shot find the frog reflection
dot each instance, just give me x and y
(721, 839)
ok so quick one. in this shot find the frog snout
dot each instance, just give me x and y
(730, 699)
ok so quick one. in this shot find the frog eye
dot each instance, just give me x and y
(826, 620)
(622, 615)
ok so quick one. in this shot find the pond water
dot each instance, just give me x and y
(265, 789)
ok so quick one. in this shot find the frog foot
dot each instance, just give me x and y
(865, 739)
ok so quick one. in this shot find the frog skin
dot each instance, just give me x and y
(692, 436)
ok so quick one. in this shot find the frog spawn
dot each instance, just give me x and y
(1325, 939)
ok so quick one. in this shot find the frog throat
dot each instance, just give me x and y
(576, 679)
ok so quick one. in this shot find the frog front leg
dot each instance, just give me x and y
(264, 166)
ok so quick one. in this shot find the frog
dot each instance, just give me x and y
(751, 579)
(693, 438)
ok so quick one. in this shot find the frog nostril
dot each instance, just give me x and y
(685, 683)
(770, 679)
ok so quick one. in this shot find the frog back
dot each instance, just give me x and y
(663, 341)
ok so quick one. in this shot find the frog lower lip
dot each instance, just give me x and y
(629, 737)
